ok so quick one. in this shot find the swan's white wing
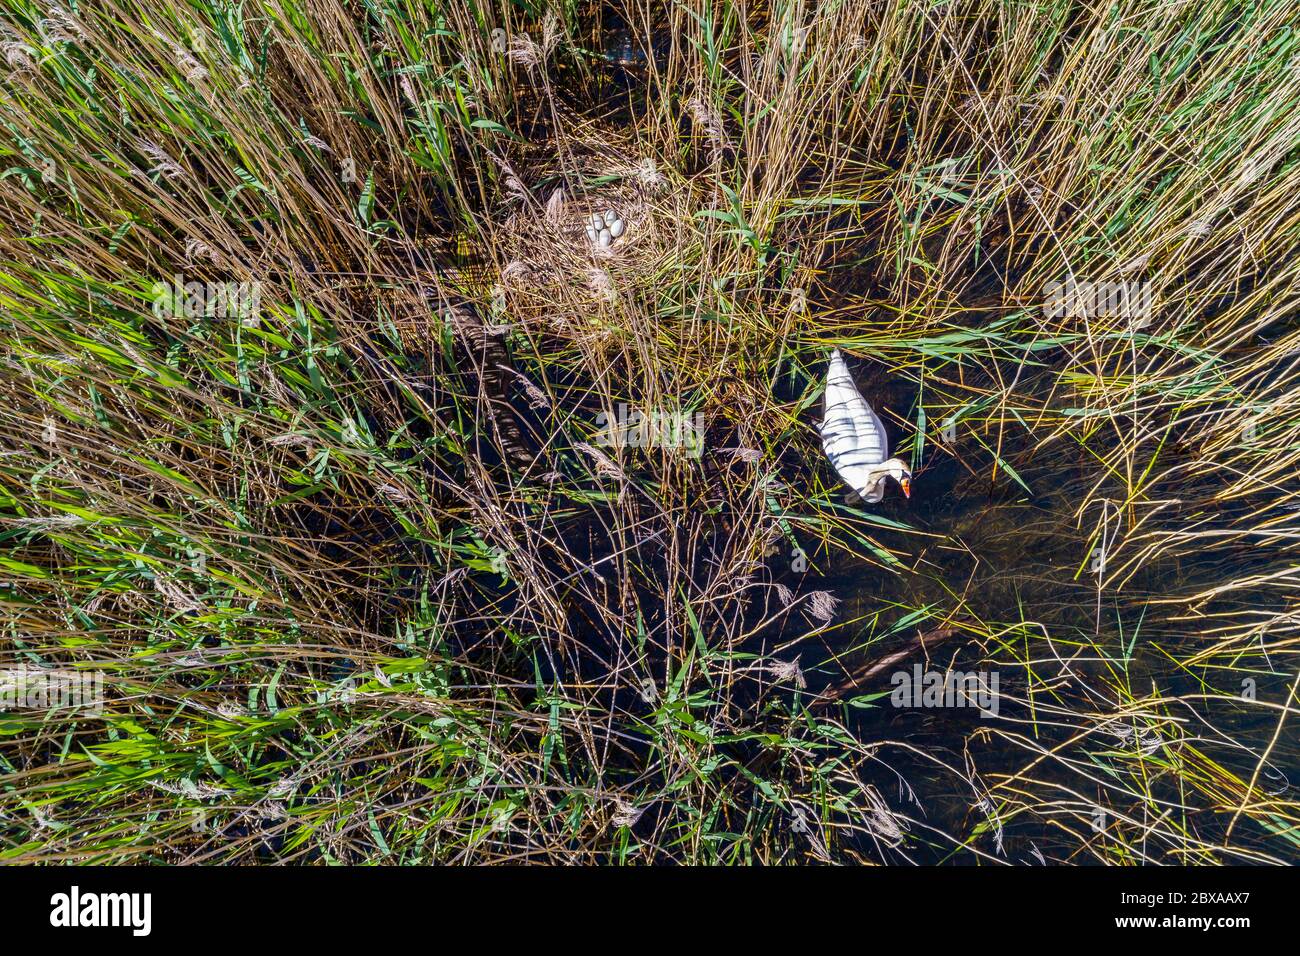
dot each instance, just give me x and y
(853, 437)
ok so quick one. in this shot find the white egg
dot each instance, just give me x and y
(591, 232)
(597, 220)
(610, 217)
(616, 228)
(606, 239)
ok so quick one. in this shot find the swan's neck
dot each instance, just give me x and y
(880, 472)
(873, 489)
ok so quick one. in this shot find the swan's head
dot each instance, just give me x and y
(896, 469)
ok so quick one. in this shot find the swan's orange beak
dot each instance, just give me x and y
(907, 487)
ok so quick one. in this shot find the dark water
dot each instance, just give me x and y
(1007, 562)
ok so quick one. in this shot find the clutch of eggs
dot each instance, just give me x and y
(604, 228)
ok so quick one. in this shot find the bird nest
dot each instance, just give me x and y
(560, 267)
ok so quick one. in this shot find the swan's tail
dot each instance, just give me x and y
(838, 372)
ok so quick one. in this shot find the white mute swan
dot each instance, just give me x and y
(854, 438)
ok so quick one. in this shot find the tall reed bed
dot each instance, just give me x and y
(368, 579)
